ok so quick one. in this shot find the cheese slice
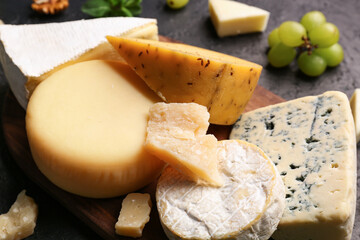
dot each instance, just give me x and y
(20, 221)
(232, 17)
(183, 73)
(355, 108)
(248, 206)
(312, 142)
(86, 127)
(134, 214)
(31, 53)
(176, 134)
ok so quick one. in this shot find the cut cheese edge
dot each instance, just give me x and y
(20, 221)
(176, 134)
(134, 214)
(355, 109)
(232, 17)
(86, 126)
(312, 142)
(184, 74)
(31, 53)
(248, 206)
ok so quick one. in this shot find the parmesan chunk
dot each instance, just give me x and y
(176, 133)
(134, 214)
(20, 221)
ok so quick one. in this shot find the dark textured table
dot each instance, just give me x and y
(191, 25)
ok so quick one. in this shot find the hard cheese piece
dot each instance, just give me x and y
(134, 215)
(232, 17)
(312, 142)
(86, 126)
(248, 206)
(355, 108)
(20, 221)
(176, 133)
(31, 53)
(182, 73)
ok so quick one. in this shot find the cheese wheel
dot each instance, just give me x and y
(248, 206)
(86, 126)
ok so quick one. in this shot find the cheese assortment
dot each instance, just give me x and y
(31, 53)
(248, 206)
(312, 142)
(176, 134)
(232, 18)
(91, 133)
(222, 83)
(86, 128)
(355, 108)
(20, 221)
(134, 214)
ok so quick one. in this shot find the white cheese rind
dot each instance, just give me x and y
(29, 51)
(312, 142)
(355, 108)
(248, 206)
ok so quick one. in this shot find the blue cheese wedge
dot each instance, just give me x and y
(248, 206)
(355, 108)
(31, 53)
(312, 142)
(232, 17)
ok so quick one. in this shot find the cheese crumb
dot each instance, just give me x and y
(134, 214)
(20, 221)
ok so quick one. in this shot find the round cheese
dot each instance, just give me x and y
(248, 206)
(86, 126)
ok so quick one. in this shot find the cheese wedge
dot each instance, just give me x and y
(31, 53)
(86, 127)
(20, 221)
(355, 109)
(182, 73)
(176, 134)
(312, 142)
(248, 206)
(231, 17)
(134, 214)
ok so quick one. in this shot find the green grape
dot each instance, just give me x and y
(333, 55)
(313, 19)
(273, 37)
(312, 65)
(324, 35)
(177, 4)
(281, 55)
(291, 33)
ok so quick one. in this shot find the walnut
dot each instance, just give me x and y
(49, 6)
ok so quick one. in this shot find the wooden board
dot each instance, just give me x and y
(99, 214)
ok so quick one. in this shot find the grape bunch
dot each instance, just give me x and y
(313, 40)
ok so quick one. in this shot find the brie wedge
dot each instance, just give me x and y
(31, 53)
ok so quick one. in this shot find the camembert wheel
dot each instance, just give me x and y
(248, 206)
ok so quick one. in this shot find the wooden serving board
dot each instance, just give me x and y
(99, 214)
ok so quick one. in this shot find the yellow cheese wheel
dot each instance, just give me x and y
(86, 126)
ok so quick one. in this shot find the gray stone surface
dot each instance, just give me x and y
(192, 25)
